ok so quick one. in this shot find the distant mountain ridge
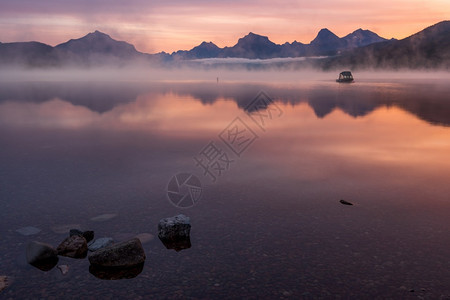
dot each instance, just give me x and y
(97, 48)
(32, 54)
(258, 46)
(94, 49)
(98, 42)
(429, 48)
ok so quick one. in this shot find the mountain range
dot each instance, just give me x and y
(429, 48)
(95, 48)
(257, 46)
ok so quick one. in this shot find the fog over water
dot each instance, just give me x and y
(201, 72)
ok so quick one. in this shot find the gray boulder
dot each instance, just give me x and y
(122, 255)
(174, 228)
(100, 243)
(74, 246)
(41, 255)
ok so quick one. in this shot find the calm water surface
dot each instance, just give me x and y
(271, 225)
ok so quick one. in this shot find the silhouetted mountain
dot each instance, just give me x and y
(98, 48)
(326, 43)
(98, 42)
(294, 49)
(429, 48)
(28, 53)
(257, 46)
(360, 38)
(204, 50)
(252, 46)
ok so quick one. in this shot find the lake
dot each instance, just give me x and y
(266, 221)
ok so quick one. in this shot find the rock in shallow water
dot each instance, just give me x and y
(64, 269)
(345, 202)
(122, 255)
(174, 227)
(41, 255)
(174, 232)
(100, 243)
(74, 246)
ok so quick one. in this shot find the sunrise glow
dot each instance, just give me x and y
(169, 26)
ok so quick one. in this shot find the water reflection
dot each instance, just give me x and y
(177, 244)
(426, 100)
(116, 273)
(324, 128)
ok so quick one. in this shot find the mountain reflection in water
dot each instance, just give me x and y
(426, 100)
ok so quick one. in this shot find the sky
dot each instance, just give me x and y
(170, 25)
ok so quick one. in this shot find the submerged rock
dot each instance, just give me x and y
(174, 232)
(122, 255)
(74, 246)
(64, 269)
(41, 255)
(104, 217)
(345, 202)
(100, 243)
(29, 230)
